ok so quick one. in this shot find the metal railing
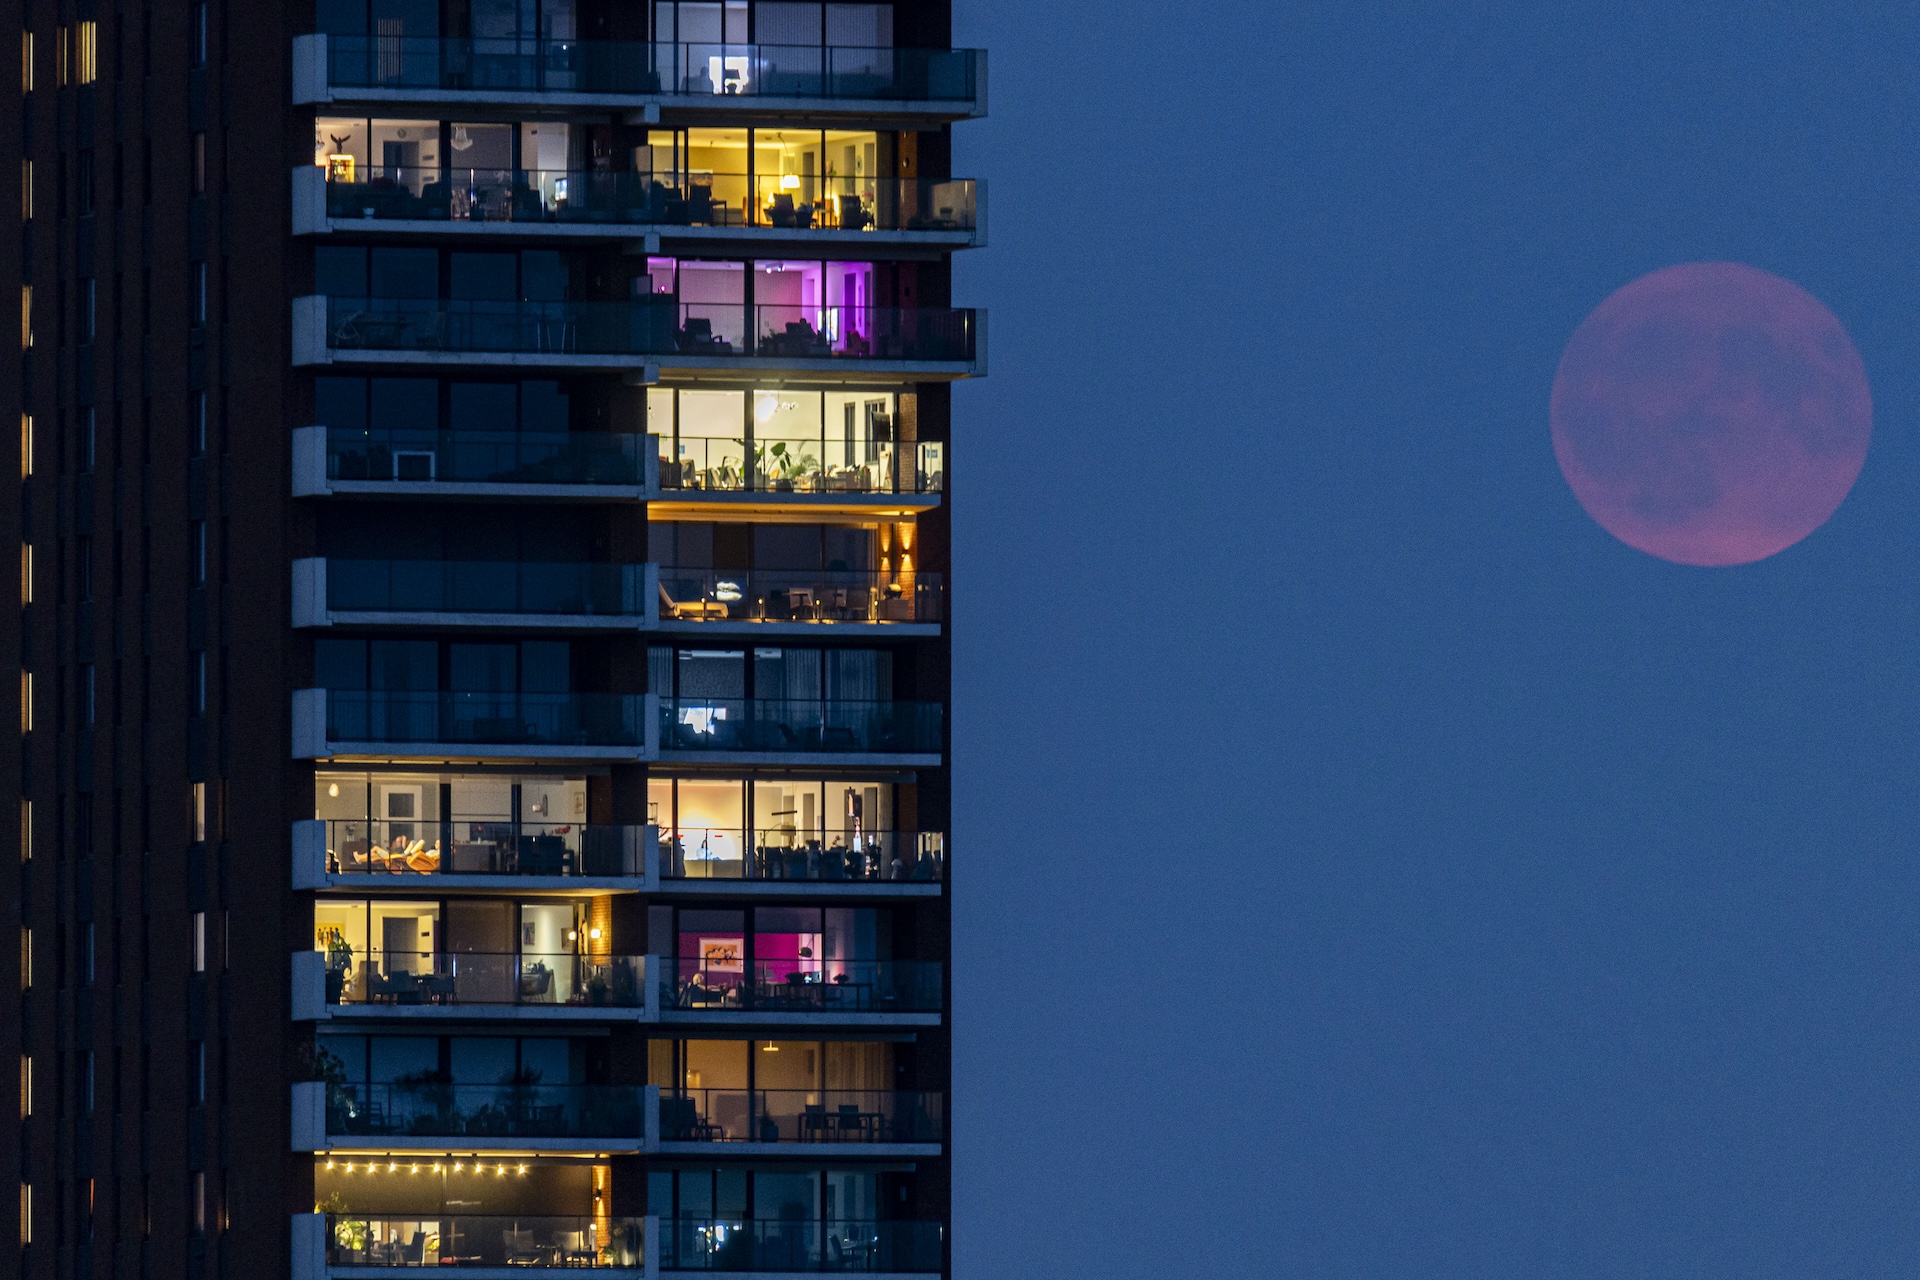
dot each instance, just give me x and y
(633, 67)
(802, 986)
(781, 853)
(801, 1115)
(483, 978)
(517, 719)
(443, 1240)
(760, 1245)
(722, 465)
(771, 201)
(650, 326)
(525, 1109)
(496, 457)
(794, 595)
(799, 725)
(483, 586)
(482, 846)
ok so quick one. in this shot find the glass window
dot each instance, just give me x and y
(548, 1061)
(785, 22)
(706, 834)
(340, 402)
(712, 439)
(480, 406)
(481, 1059)
(715, 175)
(543, 407)
(340, 271)
(712, 948)
(406, 273)
(480, 149)
(340, 664)
(711, 673)
(488, 276)
(786, 674)
(404, 664)
(403, 153)
(349, 1052)
(860, 26)
(404, 404)
(544, 666)
(482, 668)
(340, 146)
(788, 438)
(543, 276)
(398, 1057)
(715, 1064)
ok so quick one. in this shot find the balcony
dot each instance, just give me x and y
(392, 724)
(855, 992)
(931, 84)
(782, 861)
(518, 1116)
(761, 1247)
(515, 595)
(470, 984)
(922, 342)
(774, 731)
(481, 853)
(560, 204)
(467, 1246)
(907, 477)
(772, 1121)
(795, 602)
(581, 465)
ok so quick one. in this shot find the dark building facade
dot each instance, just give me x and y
(484, 642)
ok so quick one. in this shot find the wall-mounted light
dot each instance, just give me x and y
(333, 790)
(594, 934)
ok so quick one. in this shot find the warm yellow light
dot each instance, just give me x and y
(393, 1167)
(789, 182)
(415, 1169)
(501, 1172)
(523, 1171)
(594, 934)
(571, 935)
(349, 1166)
(333, 789)
(457, 1166)
(329, 1164)
(439, 1168)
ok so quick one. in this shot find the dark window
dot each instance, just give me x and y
(340, 402)
(488, 276)
(406, 273)
(340, 272)
(405, 404)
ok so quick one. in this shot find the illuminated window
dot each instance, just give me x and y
(26, 702)
(86, 37)
(26, 573)
(26, 831)
(199, 942)
(26, 1214)
(26, 445)
(26, 1086)
(199, 811)
(26, 62)
(26, 316)
(26, 190)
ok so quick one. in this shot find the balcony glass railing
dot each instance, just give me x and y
(800, 1115)
(487, 457)
(482, 846)
(803, 986)
(654, 326)
(792, 595)
(483, 586)
(768, 724)
(720, 465)
(455, 1240)
(484, 978)
(499, 719)
(781, 853)
(527, 1110)
(758, 1245)
(769, 201)
(631, 67)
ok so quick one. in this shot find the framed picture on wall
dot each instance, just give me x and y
(722, 955)
(526, 935)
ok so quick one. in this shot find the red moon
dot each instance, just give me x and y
(1711, 414)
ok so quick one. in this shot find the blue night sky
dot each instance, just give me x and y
(1365, 866)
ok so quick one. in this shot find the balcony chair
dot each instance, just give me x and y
(701, 204)
(535, 982)
(415, 1253)
(691, 610)
(696, 338)
(528, 205)
(780, 211)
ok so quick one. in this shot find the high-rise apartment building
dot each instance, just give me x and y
(483, 651)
